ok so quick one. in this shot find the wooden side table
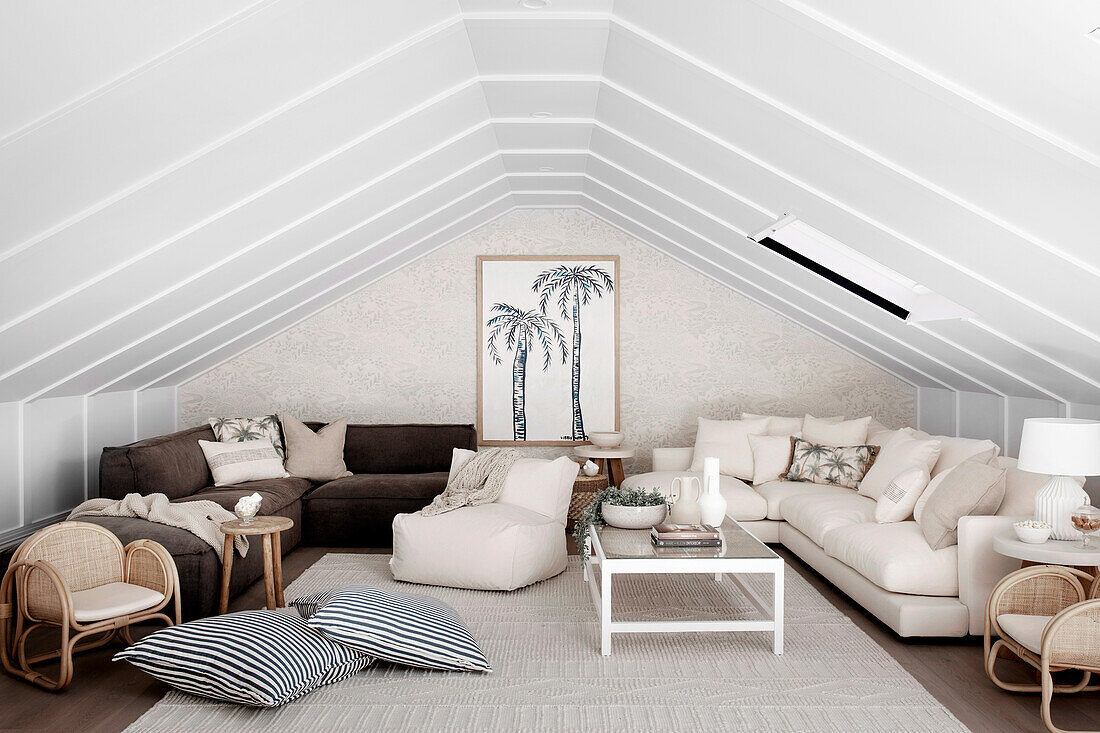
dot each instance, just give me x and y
(270, 528)
(610, 458)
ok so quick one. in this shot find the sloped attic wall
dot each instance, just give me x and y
(403, 349)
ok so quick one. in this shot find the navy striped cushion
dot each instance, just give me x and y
(260, 658)
(418, 631)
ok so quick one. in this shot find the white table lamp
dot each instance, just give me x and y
(1064, 448)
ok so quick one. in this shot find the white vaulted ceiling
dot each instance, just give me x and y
(181, 181)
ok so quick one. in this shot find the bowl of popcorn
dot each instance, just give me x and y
(1032, 531)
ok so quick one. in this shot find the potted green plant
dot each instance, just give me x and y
(640, 505)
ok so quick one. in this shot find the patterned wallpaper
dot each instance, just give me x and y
(403, 349)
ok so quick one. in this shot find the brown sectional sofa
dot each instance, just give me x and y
(397, 468)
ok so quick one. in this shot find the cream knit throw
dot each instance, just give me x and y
(201, 518)
(479, 481)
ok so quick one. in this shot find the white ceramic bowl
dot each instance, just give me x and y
(605, 439)
(1032, 535)
(633, 517)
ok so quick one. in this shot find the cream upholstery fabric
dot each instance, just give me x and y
(771, 456)
(1028, 630)
(896, 503)
(897, 558)
(728, 441)
(776, 492)
(954, 450)
(778, 424)
(317, 456)
(113, 599)
(537, 484)
(1020, 488)
(970, 488)
(248, 460)
(816, 515)
(489, 547)
(900, 453)
(823, 432)
(742, 503)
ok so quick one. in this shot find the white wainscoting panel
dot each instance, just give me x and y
(53, 456)
(936, 410)
(11, 512)
(1017, 409)
(982, 416)
(156, 412)
(111, 421)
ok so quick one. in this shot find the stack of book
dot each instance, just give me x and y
(686, 535)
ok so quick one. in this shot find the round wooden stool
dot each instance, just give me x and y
(269, 527)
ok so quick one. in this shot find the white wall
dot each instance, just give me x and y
(50, 448)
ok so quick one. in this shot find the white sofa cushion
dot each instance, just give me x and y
(111, 600)
(816, 515)
(896, 503)
(742, 503)
(777, 424)
(1028, 630)
(728, 441)
(771, 456)
(823, 432)
(896, 557)
(954, 451)
(900, 453)
(775, 493)
(489, 547)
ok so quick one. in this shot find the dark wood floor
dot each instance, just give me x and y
(107, 697)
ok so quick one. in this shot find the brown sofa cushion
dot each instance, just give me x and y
(420, 486)
(275, 493)
(173, 465)
(403, 448)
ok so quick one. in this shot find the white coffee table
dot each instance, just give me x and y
(630, 551)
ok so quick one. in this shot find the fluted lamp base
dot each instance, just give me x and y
(1055, 502)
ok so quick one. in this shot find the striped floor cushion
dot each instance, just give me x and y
(259, 658)
(414, 630)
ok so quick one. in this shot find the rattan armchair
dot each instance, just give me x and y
(78, 577)
(1049, 617)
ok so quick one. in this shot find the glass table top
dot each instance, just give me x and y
(634, 544)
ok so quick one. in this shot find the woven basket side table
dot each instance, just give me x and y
(584, 489)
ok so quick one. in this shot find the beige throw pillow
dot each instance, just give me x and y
(896, 502)
(839, 434)
(771, 457)
(900, 454)
(247, 460)
(970, 488)
(728, 441)
(316, 456)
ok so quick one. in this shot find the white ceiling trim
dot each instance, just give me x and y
(1027, 349)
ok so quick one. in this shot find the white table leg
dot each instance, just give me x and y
(605, 611)
(777, 611)
(718, 577)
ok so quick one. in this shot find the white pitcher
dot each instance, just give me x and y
(685, 509)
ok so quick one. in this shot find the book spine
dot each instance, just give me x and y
(688, 536)
(687, 543)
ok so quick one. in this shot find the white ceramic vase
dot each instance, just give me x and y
(1055, 502)
(686, 491)
(712, 505)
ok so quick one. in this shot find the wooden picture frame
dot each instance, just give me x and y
(530, 305)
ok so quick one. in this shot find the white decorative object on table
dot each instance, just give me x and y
(1064, 448)
(633, 517)
(685, 495)
(590, 468)
(1032, 531)
(247, 508)
(712, 506)
(606, 439)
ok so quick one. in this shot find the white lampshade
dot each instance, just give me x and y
(1060, 446)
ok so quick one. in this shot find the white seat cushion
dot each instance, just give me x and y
(742, 502)
(489, 547)
(896, 557)
(815, 515)
(776, 492)
(1028, 630)
(113, 599)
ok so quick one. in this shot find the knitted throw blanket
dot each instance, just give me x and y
(201, 518)
(479, 481)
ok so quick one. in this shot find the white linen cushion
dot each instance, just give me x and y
(954, 451)
(874, 430)
(896, 557)
(970, 488)
(489, 547)
(771, 456)
(742, 503)
(933, 484)
(816, 515)
(777, 424)
(775, 493)
(249, 460)
(1028, 630)
(113, 599)
(848, 432)
(728, 441)
(537, 484)
(900, 454)
(896, 502)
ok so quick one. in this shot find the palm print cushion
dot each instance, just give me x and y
(238, 429)
(824, 464)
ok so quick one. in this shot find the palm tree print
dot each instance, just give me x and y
(522, 330)
(574, 287)
(823, 464)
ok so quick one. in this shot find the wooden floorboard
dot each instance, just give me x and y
(106, 697)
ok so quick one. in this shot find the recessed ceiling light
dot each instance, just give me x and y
(535, 4)
(542, 114)
(545, 168)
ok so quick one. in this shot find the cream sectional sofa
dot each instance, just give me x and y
(889, 569)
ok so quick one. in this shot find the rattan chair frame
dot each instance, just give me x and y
(1035, 590)
(26, 607)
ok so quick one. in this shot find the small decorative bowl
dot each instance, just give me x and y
(246, 517)
(606, 439)
(633, 517)
(1032, 531)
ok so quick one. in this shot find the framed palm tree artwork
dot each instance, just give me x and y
(548, 348)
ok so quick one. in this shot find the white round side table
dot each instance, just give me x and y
(612, 459)
(1051, 552)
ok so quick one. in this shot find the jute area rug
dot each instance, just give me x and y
(549, 675)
